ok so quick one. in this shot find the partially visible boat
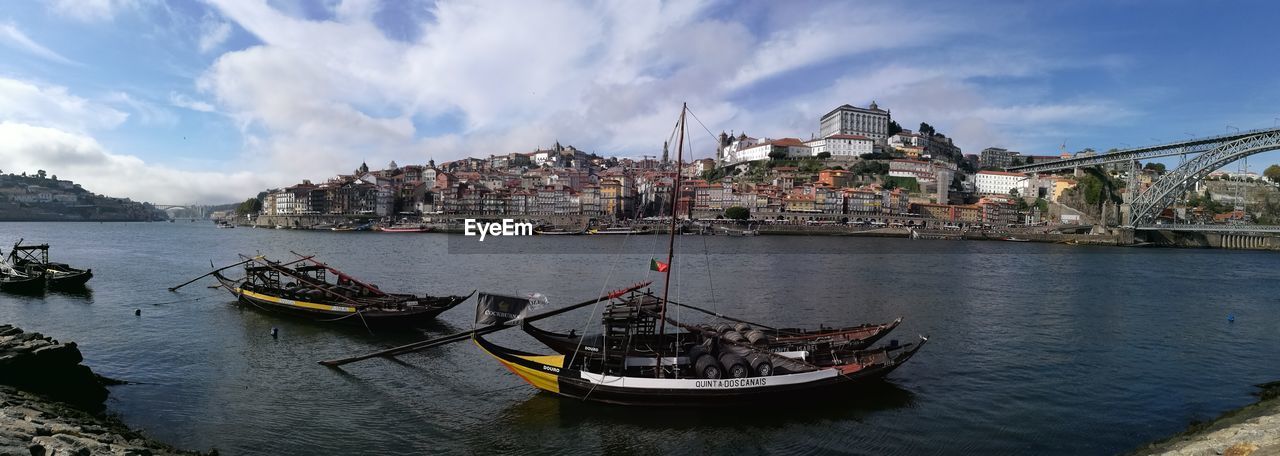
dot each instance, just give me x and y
(15, 281)
(33, 260)
(224, 224)
(1016, 239)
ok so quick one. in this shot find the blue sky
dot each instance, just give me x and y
(193, 101)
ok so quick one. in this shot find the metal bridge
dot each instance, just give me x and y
(1213, 153)
(1241, 228)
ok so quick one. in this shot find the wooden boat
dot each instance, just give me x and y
(306, 291)
(406, 229)
(622, 230)
(634, 383)
(33, 260)
(638, 362)
(556, 232)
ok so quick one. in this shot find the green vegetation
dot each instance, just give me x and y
(894, 128)
(1272, 172)
(811, 166)
(1042, 205)
(778, 154)
(870, 168)
(1159, 168)
(926, 129)
(249, 206)
(906, 183)
(824, 155)
(737, 213)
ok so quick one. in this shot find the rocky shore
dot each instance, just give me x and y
(1253, 430)
(50, 404)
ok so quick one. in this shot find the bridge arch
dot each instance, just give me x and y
(1146, 207)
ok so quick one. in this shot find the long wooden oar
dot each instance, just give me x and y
(458, 337)
(215, 271)
(189, 282)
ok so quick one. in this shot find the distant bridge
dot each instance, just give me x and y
(1214, 152)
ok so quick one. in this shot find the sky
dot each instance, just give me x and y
(213, 101)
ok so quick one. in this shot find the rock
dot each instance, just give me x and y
(1240, 449)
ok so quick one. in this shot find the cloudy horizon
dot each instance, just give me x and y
(212, 102)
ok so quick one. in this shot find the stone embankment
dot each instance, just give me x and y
(50, 404)
(1253, 430)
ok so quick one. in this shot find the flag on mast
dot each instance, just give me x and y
(655, 265)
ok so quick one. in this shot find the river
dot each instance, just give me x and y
(1035, 348)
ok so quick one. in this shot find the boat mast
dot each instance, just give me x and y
(671, 238)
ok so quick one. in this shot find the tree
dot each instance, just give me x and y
(778, 154)
(824, 155)
(40, 173)
(1013, 192)
(1043, 206)
(1028, 160)
(1272, 172)
(926, 129)
(894, 128)
(737, 213)
(249, 206)
(1159, 167)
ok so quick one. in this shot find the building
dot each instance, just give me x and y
(999, 182)
(842, 146)
(792, 147)
(995, 157)
(871, 122)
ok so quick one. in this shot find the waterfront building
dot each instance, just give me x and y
(871, 122)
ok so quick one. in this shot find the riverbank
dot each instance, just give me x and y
(1253, 430)
(50, 404)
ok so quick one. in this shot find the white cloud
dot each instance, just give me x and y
(11, 36)
(53, 106)
(80, 158)
(213, 32)
(92, 10)
(184, 101)
(148, 114)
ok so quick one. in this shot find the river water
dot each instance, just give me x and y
(1035, 348)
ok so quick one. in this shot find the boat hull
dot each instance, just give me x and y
(340, 313)
(548, 373)
(32, 285)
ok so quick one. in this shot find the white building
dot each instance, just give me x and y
(733, 146)
(999, 182)
(790, 146)
(871, 122)
(838, 145)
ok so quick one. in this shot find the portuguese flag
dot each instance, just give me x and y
(655, 265)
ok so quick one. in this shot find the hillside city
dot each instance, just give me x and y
(863, 166)
(42, 197)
